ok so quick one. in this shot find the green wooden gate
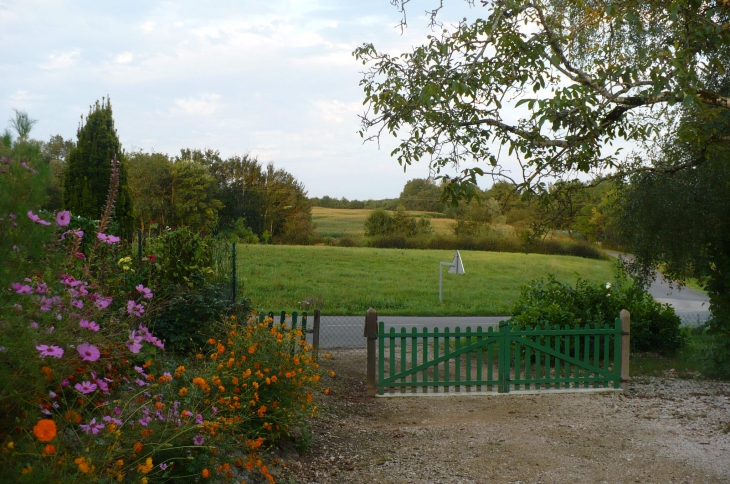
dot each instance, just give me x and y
(536, 358)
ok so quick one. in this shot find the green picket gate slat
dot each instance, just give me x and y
(540, 358)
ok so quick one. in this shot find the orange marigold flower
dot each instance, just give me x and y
(221, 348)
(326, 391)
(261, 411)
(147, 432)
(183, 391)
(46, 370)
(212, 341)
(83, 465)
(206, 473)
(146, 467)
(49, 449)
(137, 447)
(147, 364)
(199, 356)
(72, 416)
(252, 349)
(45, 430)
(249, 465)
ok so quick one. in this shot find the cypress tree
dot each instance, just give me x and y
(88, 169)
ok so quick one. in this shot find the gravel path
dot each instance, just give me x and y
(663, 431)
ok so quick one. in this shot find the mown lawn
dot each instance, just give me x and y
(348, 280)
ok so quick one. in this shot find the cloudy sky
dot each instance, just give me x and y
(273, 78)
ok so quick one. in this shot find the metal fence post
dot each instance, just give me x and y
(315, 332)
(371, 333)
(625, 347)
(234, 282)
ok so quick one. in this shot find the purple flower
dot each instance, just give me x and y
(102, 302)
(92, 427)
(198, 440)
(77, 303)
(109, 239)
(63, 218)
(88, 352)
(85, 387)
(134, 308)
(199, 419)
(113, 420)
(12, 216)
(35, 218)
(34, 325)
(41, 288)
(163, 466)
(65, 383)
(146, 292)
(117, 411)
(52, 350)
(144, 421)
(215, 410)
(141, 383)
(90, 325)
(21, 288)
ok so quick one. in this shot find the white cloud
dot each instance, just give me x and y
(148, 26)
(124, 58)
(205, 105)
(337, 111)
(61, 61)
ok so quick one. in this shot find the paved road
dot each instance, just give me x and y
(691, 306)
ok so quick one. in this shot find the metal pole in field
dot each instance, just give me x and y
(234, 287)
(455, 267)
(371, 333)
(315, 332)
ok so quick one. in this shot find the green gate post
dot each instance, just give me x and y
(504, 357)
(625, 347)
(371, 333)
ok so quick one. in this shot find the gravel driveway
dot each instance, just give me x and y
(664, 431)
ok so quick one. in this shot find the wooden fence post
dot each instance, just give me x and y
(625, 347)
(315, 333)
(371, 333)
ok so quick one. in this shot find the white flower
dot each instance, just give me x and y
(608, 285)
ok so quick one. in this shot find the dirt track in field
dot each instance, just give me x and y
(665, 431)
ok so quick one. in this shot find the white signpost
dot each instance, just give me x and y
(455, 267)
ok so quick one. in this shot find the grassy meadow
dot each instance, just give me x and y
(348, 280)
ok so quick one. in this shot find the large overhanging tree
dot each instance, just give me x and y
(548, 85)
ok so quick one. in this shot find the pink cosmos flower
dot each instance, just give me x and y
(88, 352)
(109, 239)
(92, 427)
(35, 218)
(90, 325)
(21, 288)
(41, 288)
(198, 440)
(134, 308)
(113, 420)
(52, 350)
(63, 218)
(146, 292)
(102, 302)
(77, 303)
(85, 387)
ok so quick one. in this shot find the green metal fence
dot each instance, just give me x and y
(468, 361)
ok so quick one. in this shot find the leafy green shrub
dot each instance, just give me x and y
(394, 241)
(654, 326)
(379, 222)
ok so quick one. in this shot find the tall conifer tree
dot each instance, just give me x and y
(88, 169)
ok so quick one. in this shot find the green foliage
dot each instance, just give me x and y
(654, 326)
(23, 181)
(452, 100)
(421, 194)
(379, 222)
(195, 290)
(88, 170)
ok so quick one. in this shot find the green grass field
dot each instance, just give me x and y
(398, 282)
(343, 221)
